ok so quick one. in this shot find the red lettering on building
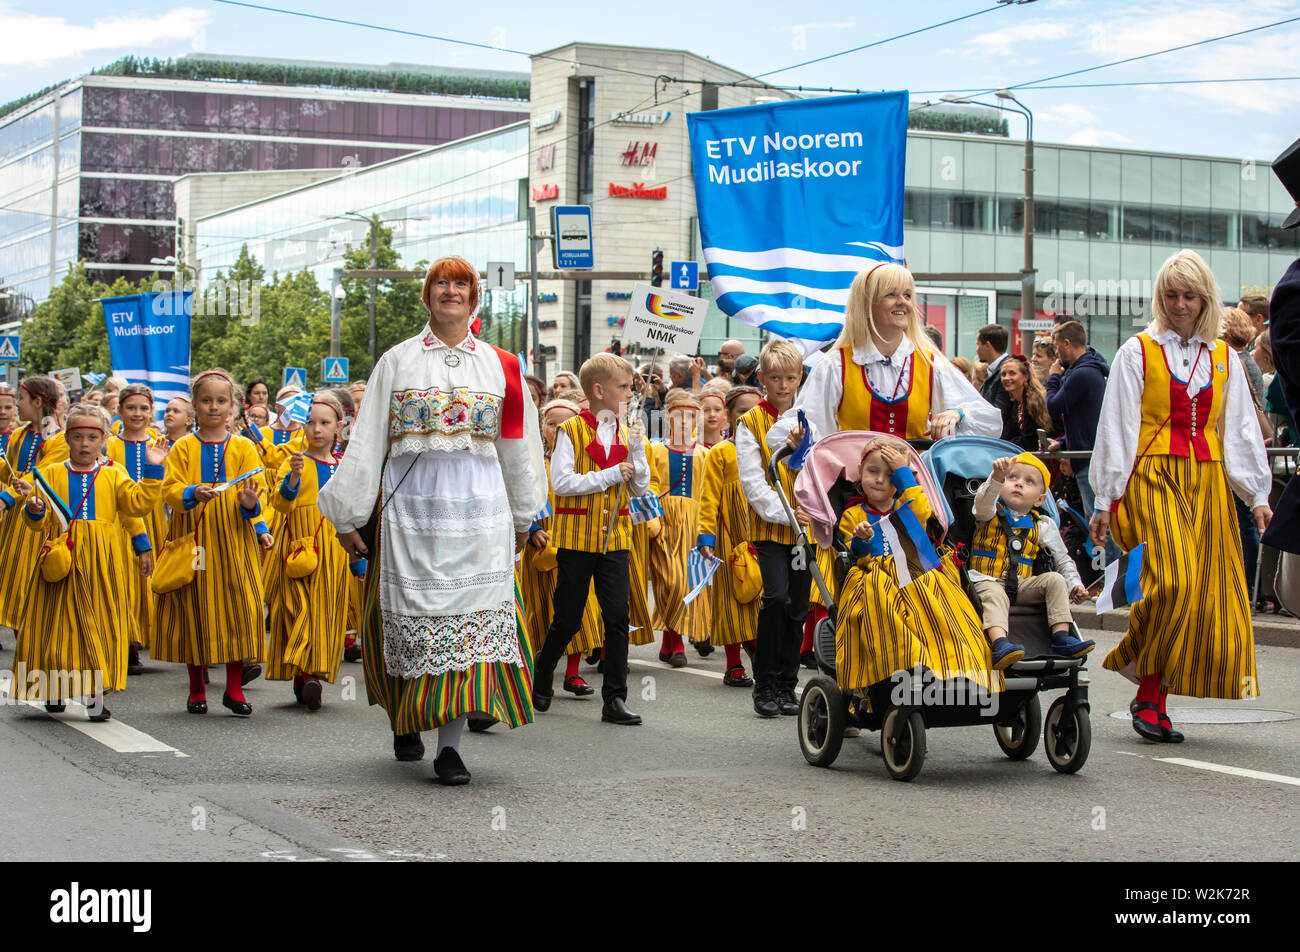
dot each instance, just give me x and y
(638, 190)
(542, 193)
(640, 153)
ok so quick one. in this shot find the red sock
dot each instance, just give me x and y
(815, 614)
(571, 666)
(234, 674)
(197, 691)
(672, 642)
(1149, 690)
(733, 656)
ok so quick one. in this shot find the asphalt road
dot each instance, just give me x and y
(704, 778)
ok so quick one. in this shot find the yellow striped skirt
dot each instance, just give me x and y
(668, 555)
(309, 616)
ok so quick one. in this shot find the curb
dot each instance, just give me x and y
(1269, 629)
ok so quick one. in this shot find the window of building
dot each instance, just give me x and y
(586, 140)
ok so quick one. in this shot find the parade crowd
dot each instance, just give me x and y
(463, 529)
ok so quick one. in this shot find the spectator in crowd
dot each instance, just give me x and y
(979, 373)
(687, 372)
(1256, 306)
(727, 355)
(964, 365)
(1074, 391)
(1026, 410)
(1044, 357)
(536, 387)
(564, 385)
(256, 392)
(1240, 334)
(652, 405)
(1275, 408)
(746, 373)
(991, 348)
(92, 396)
(935, 335)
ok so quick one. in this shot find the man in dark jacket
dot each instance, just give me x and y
(991, 348)
(1074, 391)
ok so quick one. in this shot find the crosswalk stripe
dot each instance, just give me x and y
(112, 734)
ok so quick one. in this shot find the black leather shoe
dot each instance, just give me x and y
(311, 694)
(450, 768)
(664, 656)
(408, 747)
(104, 715)
(352, 653)
(808, 659)
(786, 702)
(252, 671)
(1145, 729)
(133, 665)
(576, 685)
(703, 648)
(1169, 735)
(197, 707)
(678, 660)
(541, 702)
(737, 678)
(765, 702)
(238, 708)
(615, 712)
(55, 707)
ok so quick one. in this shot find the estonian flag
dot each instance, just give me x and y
(645, 508)
(913, 552)
(1123, 585)
(795, 461)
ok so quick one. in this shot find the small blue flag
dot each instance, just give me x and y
(545, 512)
(801, 452)
(1123, 584)
(645, 508)
(94, 379)
(297, 408)
(699, 573)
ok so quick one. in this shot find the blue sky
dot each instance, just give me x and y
(48, 42)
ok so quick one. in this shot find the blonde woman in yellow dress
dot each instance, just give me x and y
(309, 617)
(1181, 437)
(726, 522)
(38, 441)
(128, 450)
(679, 463)
(72, 641)
(216, 618)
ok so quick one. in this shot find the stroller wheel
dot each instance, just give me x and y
(1067, 735)
(902, 742)
(822, 716)
(1019, 738)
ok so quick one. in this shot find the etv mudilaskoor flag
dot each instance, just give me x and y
(1123, 581)
(794, 199)
(149, 342)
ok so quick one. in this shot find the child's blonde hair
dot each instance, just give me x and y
(780, 355)
(601, 368)
(880, 442)
(83, 411)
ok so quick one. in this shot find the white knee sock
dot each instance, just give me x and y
(449, 734)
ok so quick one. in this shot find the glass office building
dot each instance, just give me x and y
(87, 171)
(467, 198)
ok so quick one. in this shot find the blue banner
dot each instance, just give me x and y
(149, 342)
(794, 199)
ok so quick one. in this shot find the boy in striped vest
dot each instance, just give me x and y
(596, 465)
(785, 588)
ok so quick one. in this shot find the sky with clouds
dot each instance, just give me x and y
(1013, 44)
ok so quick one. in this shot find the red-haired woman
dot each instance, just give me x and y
(449, 441)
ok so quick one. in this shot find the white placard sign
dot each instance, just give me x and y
(664, 319)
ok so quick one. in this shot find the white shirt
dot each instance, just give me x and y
(1120, 421)
(760, 495)
(821, 394)
(1049, 535)
(569, 483)
(992, 368)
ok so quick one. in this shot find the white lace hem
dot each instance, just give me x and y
(416, 645)
(414, 444)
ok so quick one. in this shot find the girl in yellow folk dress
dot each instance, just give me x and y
(309, 617)
(1181, 437)
(347, 397)
(679, 464)
(725, 524)
(178, 419)
(883, 628)
(713, 413)
(127, 449)
(216, 617)
(72, 640)
(39, 441)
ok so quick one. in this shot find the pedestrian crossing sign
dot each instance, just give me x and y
(334, 369)
(295, 377)
(9, 347)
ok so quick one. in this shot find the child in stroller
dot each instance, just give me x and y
(901, 608)
(1010, 531)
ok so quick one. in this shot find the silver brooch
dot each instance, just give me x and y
(451, 359)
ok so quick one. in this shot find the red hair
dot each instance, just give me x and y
(453, 268)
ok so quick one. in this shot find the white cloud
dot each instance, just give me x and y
(1094, 136)
(1071, 113)
(999, 42)
(34, 40)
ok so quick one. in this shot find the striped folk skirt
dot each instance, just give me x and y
(501, 690)
(882, 629)
(638, 608)
(19, 547)
(309, 618)
(1193, 625)
(734, 621)
(74, 630)
(668, 555)
(538, 591)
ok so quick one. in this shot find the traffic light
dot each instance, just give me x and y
(657, 268)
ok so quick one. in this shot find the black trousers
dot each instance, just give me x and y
(781, 616)
(574, 573)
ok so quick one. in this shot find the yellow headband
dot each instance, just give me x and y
(1029, 459)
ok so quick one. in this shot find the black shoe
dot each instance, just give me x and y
(1169, 735)
(133, 665)
(311, 692)
(664, 656)
(252, 671)
(55, 707)
(450, 768)
(104, 715)
(576, 685)
(808, 659)
(786, 702)
(1145, 729)
(352, 653)
(615, 712)
(765, 702)
(196, 707)
(541, 702)
(703, 648)
(297, 690)
(737, 678)
(238, 708)
(678, 660)
(408, 747)
(594, 657)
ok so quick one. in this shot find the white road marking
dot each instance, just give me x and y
(698, 672)
(1234, 771)
(112, 734)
